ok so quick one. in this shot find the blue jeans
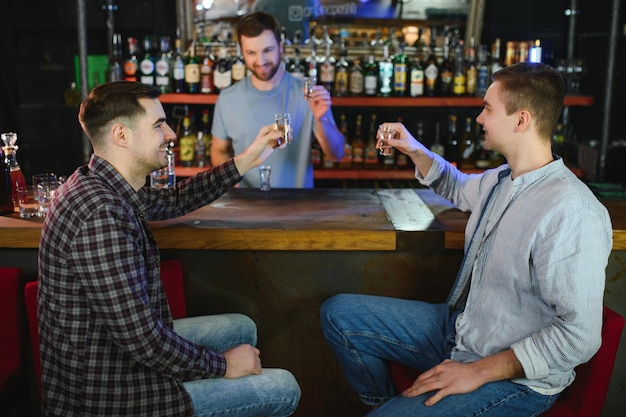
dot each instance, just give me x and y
(273, 393)
(366, 332)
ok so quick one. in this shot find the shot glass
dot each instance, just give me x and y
(283, 122)
(386, 133)
(264, 177)
(309, 83)
(27, 198)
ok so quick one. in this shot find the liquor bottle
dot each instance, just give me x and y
(400, 71)
(297, 68)
(115, 66)
(130, 65)
(416, 76)
(71, 96)
(163, 67)
(178, 70)
(10, 158)
(371, 153)
(436, 146)
(471, 71)
(341, 74)
(207, 70)
(446, 73)
(370, 77)
(146, 66)
(327, 71)
(346, 161)
(358, 144)
(192, 71)
(496, 63)
(482, 72)
(222, 75)
(187, 143)
(6, 189)
(206, 133)
(451, 147)
(431, 71)
(482, 154)
(238, 67)
(385, 74)
(356, 78)
(467, 147)
(459, 85)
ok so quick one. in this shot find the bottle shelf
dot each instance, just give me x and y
(365, 101)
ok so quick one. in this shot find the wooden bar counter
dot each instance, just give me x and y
(277, 256)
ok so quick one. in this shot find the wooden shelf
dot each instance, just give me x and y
(209, 99)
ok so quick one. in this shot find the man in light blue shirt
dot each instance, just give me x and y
(267, 91)
(526, 307)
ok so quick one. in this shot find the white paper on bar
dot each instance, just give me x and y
(406, 211)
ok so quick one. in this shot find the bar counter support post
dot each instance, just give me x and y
(82, 57)
(608, 89)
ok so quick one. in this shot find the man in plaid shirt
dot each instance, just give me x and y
(109, 345)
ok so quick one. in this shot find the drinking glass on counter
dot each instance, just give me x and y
(283, 122)
(28, 201)
(44, 177)
(386, 133)
(264, 177)
(45, 194)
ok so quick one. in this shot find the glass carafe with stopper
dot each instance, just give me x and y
(10, 157)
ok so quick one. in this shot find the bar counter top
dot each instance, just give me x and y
(305, 219)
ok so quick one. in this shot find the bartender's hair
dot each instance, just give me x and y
(252, 24)
(111, 101)
(535, 87)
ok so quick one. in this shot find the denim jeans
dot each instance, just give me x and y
(273, 393)
(366, 332)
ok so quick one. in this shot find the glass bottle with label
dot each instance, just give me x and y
(385, 74)
(222, 75)
(467, 147)
(356, 79)
(115, 65)
(131, 62)
(346, 161)
(6, 189)
(10, 158)
(451, 147)
(178, 69)
(163, 67)
(400, 71)
(297, 68)
(371, 153)
(327, 71)
(238, 67)
(187, 143)
(358, 144)
(482, 72)
(471, 71)
(459, 83)
(416, 77)
(207, 68)
(431, 71)
(192, 71)
(341, 75)
(437, 147)
(146, 66)
(370, 77)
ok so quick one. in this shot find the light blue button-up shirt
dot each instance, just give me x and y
(536, 249)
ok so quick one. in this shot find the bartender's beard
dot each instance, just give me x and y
(270, 68)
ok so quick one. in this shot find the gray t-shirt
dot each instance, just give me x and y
(240, 112)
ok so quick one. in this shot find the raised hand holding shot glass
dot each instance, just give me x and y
(283, 122)
(385, 133)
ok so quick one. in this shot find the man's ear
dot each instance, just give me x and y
(118, 134)
(523, 120)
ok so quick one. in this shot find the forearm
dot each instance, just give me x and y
(501, 366)
(329, 137)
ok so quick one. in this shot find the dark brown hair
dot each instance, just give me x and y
(535, 87)
(110, 101)
(252, 24)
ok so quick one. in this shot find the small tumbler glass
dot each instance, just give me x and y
(309, 83)
(386, 133)
(264, 177)
(283, 122)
